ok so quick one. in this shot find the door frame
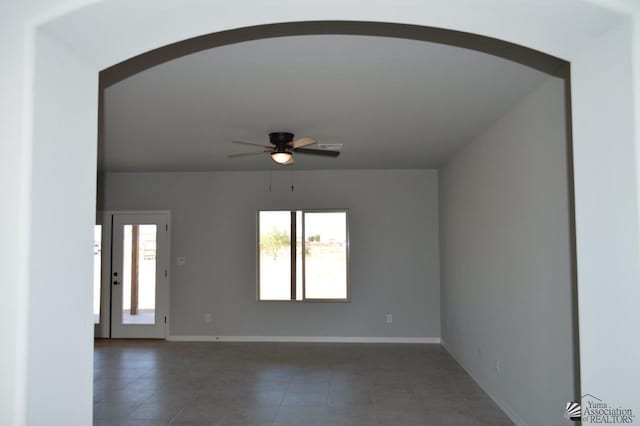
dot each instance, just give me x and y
(104, 329)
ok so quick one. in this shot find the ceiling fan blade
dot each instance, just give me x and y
(246, 154)
(252, 144)
(300, 142)
(323, 152)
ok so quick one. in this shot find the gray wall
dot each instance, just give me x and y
(394, 249)
(506, 259)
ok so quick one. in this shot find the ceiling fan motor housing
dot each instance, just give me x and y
(280, 139)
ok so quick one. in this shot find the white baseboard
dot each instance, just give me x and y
(306, 339)
(499, 402)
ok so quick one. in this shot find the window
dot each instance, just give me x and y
(97, 271)
(303, 255)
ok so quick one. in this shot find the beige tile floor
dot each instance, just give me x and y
(168, 383)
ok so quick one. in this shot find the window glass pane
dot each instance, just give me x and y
(325, 255)
(139, 275)
(275, 255)
(97, 271)
(299, 294)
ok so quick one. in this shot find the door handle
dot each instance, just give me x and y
(116, 283)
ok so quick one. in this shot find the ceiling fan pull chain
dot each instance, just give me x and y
(291, 178)
(269, 180)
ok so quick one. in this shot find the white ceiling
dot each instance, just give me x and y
(392, 103)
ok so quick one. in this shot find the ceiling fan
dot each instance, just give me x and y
(284, 146)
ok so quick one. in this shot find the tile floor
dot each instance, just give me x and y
(169, 383)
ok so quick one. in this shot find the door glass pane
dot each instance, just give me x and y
(275, 255)
(97, 271)
(139, 275)
(325, 255)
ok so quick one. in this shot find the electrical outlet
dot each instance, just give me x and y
(389, 318)
(497, 366)
(207, 317)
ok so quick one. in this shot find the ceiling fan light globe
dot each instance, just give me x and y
(281, 157)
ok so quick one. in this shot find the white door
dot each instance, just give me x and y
(139, 275)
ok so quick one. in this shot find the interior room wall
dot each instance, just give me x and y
(607, 215)
(63, 311)
(506, 262)
(394, 267)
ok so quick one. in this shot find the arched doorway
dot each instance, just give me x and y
(71, 50)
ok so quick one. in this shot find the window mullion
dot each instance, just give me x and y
(293, 255)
